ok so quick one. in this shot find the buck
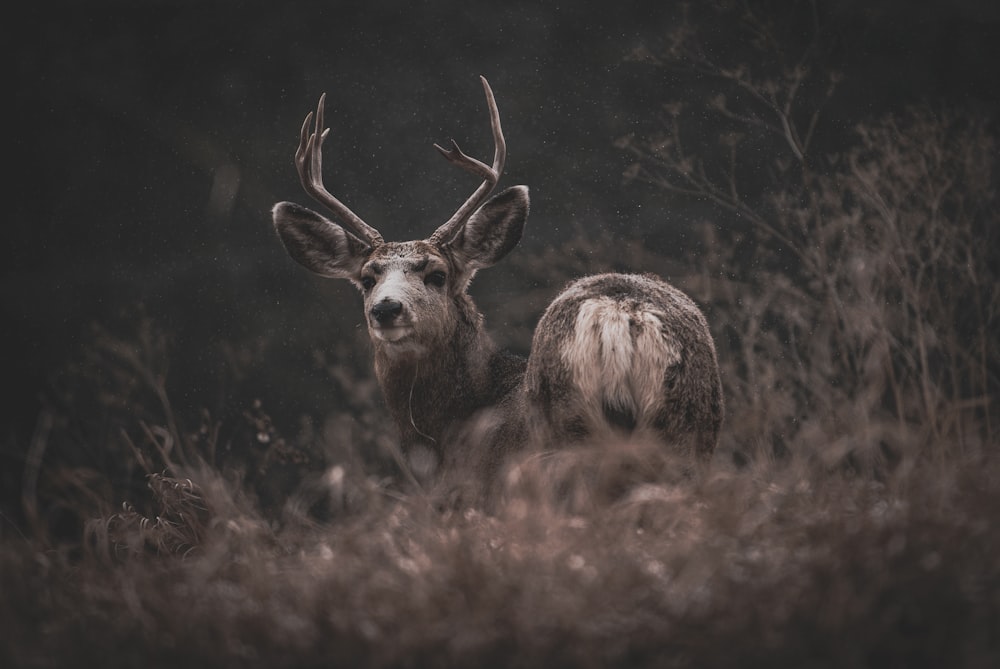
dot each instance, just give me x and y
(613, 356)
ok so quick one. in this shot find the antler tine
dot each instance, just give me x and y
(309, 163)
(490, 175)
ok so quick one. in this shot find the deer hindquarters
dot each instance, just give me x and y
(621, 354)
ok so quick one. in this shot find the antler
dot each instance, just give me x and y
(489, 174)
(309, 163)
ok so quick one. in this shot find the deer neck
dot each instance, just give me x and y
(438, 384)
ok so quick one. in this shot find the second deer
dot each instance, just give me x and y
(614, 355)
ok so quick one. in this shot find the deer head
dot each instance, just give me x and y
(414, 292)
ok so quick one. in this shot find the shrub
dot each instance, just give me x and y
(850, 287)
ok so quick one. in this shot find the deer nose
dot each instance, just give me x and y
(386, 311)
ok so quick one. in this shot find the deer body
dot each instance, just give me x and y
(626, 353)
(613, 354)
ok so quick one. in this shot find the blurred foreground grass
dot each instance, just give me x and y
(782, 563)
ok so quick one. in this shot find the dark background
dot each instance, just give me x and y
(148, 141)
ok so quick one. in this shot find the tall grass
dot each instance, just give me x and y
(772, 564)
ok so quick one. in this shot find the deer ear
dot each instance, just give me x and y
(494, 229)
(318, 244)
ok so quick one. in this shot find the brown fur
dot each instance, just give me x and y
(453, 393)
(689, 412)
(614, 355)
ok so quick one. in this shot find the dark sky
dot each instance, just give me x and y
(150, 139)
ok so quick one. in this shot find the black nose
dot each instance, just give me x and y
(386, 311)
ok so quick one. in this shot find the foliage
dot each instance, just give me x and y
(777, 564)
(854, 284)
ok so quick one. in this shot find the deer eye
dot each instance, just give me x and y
(435, 279)
(367, 282)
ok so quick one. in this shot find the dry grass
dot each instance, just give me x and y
(780, 563)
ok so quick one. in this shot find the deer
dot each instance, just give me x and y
(613, 355)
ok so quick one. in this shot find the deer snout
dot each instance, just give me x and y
(386, 311)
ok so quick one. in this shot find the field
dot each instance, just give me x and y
(850, 516)
(775, 563)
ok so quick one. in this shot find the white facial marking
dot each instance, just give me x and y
(425, 317)
(391, 334)
(393, 285)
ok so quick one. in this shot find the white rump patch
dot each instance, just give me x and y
(618, 358)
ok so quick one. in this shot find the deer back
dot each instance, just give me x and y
(628, 354)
